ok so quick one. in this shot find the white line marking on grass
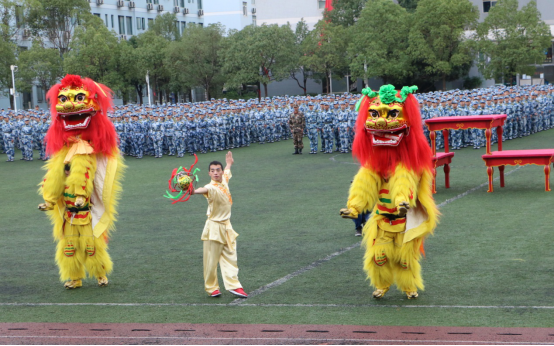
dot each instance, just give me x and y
(328, 258)
(450, 200)
(395, 306)
(332, 158)
(369, 341)
(296, 273)
(241, 301)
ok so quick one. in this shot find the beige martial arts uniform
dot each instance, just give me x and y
(219, 237)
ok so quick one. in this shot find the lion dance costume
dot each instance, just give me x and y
(395, 183)
(82, 183)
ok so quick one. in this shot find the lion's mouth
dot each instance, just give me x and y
(77, 120)
(390, 138)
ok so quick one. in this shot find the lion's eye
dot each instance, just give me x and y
(63, 98)
(80, 98)
(374, 114)
(393, 113)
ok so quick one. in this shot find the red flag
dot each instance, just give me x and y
(329, 5)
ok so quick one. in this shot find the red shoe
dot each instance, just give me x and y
(215, 293)
(239, 292)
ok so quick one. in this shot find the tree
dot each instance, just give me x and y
(150, 54)
(326, 48)
(7, 58)
(409, 5)
(345, 12)
(258, 54)
(8, 13)
(56, 20)
(299, 72)
(196, 60)
(128, 68)
(437, 38)
(93, 53)
(39, 66)
(380, 42)
(166, 27)
(511, 41)
(8, 48)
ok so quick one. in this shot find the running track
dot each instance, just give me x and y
(230, 334)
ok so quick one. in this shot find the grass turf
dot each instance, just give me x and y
(489, 252)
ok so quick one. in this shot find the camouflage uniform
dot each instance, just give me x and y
(297, 123)
(7, 134)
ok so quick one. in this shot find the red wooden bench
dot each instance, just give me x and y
(442, 159)
(542, 157)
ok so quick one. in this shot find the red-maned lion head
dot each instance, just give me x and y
(389, 131)
(79, 108)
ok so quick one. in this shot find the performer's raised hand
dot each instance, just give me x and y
(229, 159)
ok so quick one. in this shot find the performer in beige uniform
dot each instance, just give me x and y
(218, 235)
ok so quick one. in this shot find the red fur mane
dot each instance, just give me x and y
(413, 151)
(100, 132)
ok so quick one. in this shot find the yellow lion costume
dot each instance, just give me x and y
(394, 182)
(83, 179)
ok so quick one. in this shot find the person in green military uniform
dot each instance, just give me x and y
(297, 123)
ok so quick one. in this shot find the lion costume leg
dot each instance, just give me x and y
(69, 255)
(377, 260)
(407, 269)
(97, 260)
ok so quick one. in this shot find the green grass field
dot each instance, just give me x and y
(489, 264)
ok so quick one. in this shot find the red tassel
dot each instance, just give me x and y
(422, 249)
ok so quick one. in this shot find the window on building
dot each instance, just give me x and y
(182, 3)
(121, 25)
(139, 24)
(150, 22)
(148, 1)
(112, 22)
(199, 4)
(548, 56)
(201, 25)
(156, 2)
(107, 23)
(129, 25)
(487, 4)
(244, 8)
(176, 3)
(321, 4)
(183, 27)
(97, 15)
(254, 20)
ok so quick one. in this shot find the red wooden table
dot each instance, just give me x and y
(485, 122)
(542, 157)
(444, 124)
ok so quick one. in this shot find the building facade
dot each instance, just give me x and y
(546, 9)
(290, 11)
